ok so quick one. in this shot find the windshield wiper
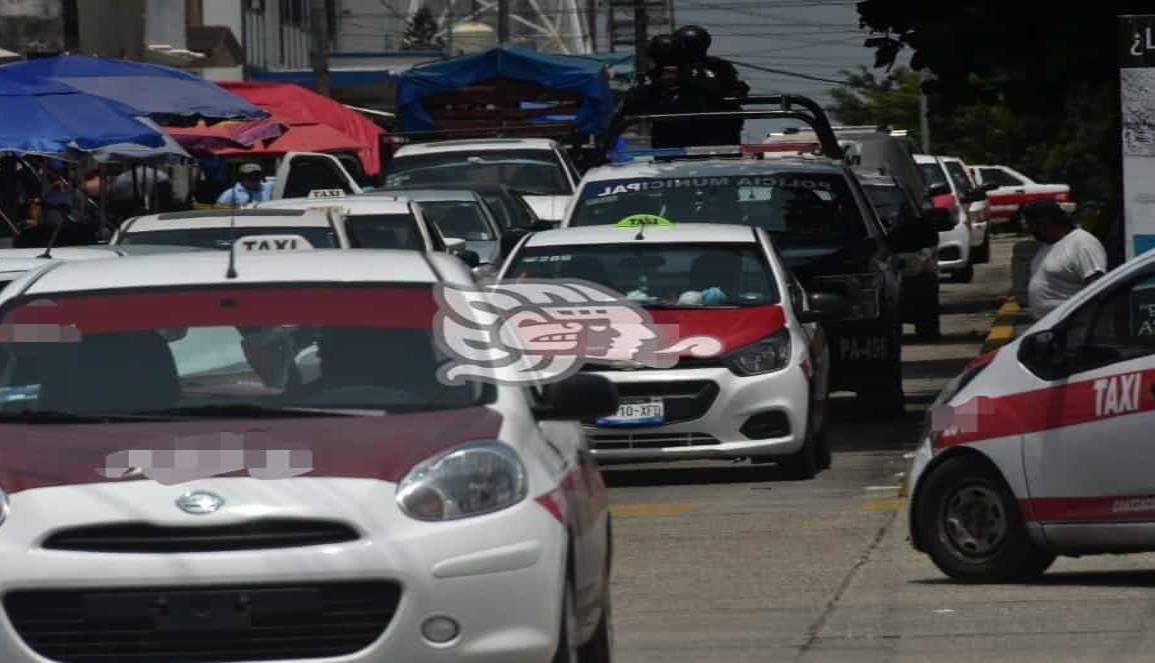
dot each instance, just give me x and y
(63, 417)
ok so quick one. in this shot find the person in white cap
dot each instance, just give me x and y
(251, 187)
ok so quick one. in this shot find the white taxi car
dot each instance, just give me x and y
(219, 229)
(376, 222)
(763, 397)
(162, 501)
(538, 168)
(954, 245)
(16, 262)
(1043, 447)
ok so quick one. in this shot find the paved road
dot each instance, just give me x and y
(729, 562)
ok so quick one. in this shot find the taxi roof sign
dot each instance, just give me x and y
(643, 220)
(326, 193)
(272, 244)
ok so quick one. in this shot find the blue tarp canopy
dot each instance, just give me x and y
(153, 90)
(46, 117)
(571, 73)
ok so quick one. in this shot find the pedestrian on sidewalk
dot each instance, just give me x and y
(251, 187)
(1068, 260)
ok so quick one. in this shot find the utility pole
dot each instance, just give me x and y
(641, 35)
(503, 21)
(319, 53)
(923, 121)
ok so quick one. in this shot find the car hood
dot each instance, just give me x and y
(548, 208)
(366, 447)
(734, 327)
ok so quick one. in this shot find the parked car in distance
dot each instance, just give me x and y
(978, 208)
(1009, 190)
(954, 245)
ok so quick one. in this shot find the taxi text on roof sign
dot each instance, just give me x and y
(639, 220)
(272, 243)
(326, 193)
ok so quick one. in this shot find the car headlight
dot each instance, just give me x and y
(470, 480)
(5, 507)
(770, 354)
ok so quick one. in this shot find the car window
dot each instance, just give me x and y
(460, 219)
(891, 203)
(958, 175)
(222, 238)
(1000, 177)
(529, 171)
(795, 208)
(345, 347)
(659, 275)
(933, 174)
(1117, 326)
(384, 231)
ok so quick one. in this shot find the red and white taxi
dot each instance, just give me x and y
(761, 397)
(1009, 190)
(173, 489)
(1043, 448)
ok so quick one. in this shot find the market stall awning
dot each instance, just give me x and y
(298, 138)
(296, 105)
(586, 77)
(205, 138)
(163, 93)
(47, 117)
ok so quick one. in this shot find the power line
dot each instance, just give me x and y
(783, 72)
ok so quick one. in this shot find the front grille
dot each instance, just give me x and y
(147, 538)
(683, 362)
(218, 624)
(683, 399)
(617, 441)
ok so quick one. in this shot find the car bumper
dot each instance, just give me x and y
(456, 569)
(954, 249)
(773, 408)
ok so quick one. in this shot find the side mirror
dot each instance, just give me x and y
(1044, 353)
(470, 258)
(939, 189)
(942, 220)
(825, 306)
(580, 396)
(510, 239)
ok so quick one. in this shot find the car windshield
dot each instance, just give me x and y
(797, 208)
(222, 238)
(363, 347)
(536, 171)
(461, 219)
(384, 231)
(659, 275)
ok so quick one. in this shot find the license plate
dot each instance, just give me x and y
(637, 413)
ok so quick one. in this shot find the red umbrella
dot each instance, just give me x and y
(298, 106)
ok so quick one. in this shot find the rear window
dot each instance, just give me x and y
(384, 231)
(959, 176)
(222, 238)
(890, 203)
(659, 275)
(933, 174)
(531, 171)
(460, 219)
(796, 208)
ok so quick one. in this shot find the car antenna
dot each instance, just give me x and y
(231, 272)
(641, 231)
(47, 255)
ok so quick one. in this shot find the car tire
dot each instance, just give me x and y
(981, 254)
(567, 648)
(600, 647)
(801, 465)
(971, 526)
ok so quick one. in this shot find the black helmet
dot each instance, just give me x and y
(663, 50)
(693, 40)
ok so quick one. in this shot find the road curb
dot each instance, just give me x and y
(1004, 326)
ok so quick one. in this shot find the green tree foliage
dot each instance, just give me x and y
(1048, 72)
(421, 32)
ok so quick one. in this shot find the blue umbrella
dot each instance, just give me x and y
(47, 117)
(153, 90)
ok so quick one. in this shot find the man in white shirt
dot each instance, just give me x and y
(1069, 259)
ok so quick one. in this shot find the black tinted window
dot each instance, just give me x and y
(384, 231)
